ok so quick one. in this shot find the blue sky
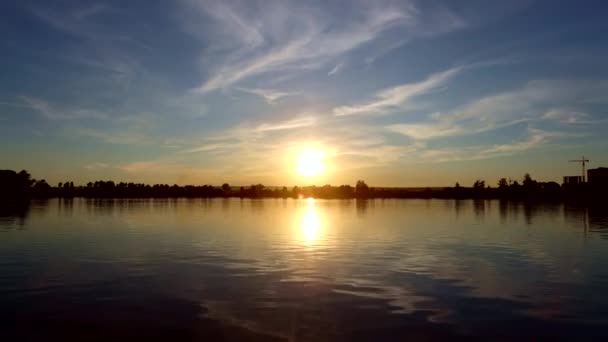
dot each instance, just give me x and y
(403, 93)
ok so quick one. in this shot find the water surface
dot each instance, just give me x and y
(305, 270)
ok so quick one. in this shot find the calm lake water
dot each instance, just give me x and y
(231, 269)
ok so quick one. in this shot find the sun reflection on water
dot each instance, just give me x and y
(310, 222)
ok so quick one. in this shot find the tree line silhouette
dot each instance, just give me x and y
(20, 185)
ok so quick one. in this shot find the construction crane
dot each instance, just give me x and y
(583, 161)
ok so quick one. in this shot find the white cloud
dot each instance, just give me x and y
(526, 104)
(567, 116)
(335, 69)
(47, 110)
(425, 131)
(252, 40)
(75, 22)
(97, 166)
(482, 152)
(231, 74)
(243, 138)
(119, 138)
(13, 104)
(140, 166)
(289, 124)
(82, 22)
(535, 139)
(211, 147)
(269, 95)
(395, 97)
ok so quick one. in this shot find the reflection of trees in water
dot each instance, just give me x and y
(533, 210)
(479, 208)
(503, 211)
(257, 205)
(65, 206)
(14, 213)
(105, 206)
(96, 206)
(345, 205)
(226, 204)
(362, 206)
(529, 212)
(509, 211)
(459, 205)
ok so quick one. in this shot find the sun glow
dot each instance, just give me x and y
(310, 163)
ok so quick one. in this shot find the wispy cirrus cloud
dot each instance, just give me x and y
(14, 104)
(335, 69)
(211, 147)
(253, 40)
(423, 131)
(534, 139)
(438, 129)
(114, 137)
(533, 102)
(566, 116)
(398, 96)
(529, 101)
(140, 166)
(76, 21)
(109, 50)
(84, 21)
(52, 112)
(289, 124)
(242, 137)
(570, 116)
(97, 166)
(269, 95)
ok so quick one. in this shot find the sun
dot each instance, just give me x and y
(310, 163)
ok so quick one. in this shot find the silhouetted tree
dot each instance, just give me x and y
(25, 179)
(15, 185)
(478, 188)
(479, 184)
(528, 182)
(361, 189)
(22, 185)
(41, 189)
(552, 190)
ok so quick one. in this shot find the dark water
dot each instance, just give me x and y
(230, 269)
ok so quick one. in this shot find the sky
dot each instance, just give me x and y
(397, 93)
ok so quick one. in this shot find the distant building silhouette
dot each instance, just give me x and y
(598, 177)
(573, 180)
